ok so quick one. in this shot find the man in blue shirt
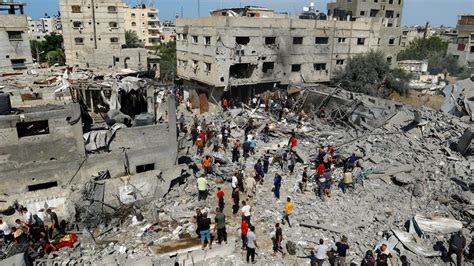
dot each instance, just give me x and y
(342, 248)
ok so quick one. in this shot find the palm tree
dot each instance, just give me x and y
(56, 56)
(131, 39)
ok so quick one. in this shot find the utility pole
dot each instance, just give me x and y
(199, 7)
(426, 30)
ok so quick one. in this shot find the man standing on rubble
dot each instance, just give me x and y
(304, 180)
(207, 164)
(251, 186)
(236, 200)
(251, 244)
(220, 199)
(53, 217)
(244, 227)
(202, 188)
(278, 239)
(277, 185)
(342, 248)
(292, 165)
(235, 181)
(181, 122)
(200, 146)
(259, 171)
(383, 256)
(457, 243)
(246, 212)
(288, 211)
(236, 151)
(220, 226)
(266, 132)
(293, 141)
(7, 233)
(205, 226)
(266, 161)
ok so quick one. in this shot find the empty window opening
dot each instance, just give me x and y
(390, 2)
(208, 67)
(374, 13)
(114, 40)
(77, 24)
(270, 40)
(242, 40)
(389, 59)
(320, 66)
(472, 49)
(134, 24)
(340, 62)
(391, 41)
(321, 40)
(43, 186)
(362, 13)
(297, 40)
(113, 24)
(18, 64)
(389, 14)
(207, 39)
(79, 40)
(341, 40)
(360, 41)
(244, 70)
(15, 35)
(268, 67)
(195, 39)
(26, 129)
(145, 168)
(295, 68)
(76, 9)
(112, 9)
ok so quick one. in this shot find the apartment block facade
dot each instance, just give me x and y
(463, 46)
(145, 22)
(37, 29)
(225, 53)
(15, 51)
(388, 11)
(94, 33)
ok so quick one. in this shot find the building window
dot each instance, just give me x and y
(76, 9)
(398, 15)
(319, 66)
(374, 13)
(340, 62)
(145, 168)
(472, 49)
(242, 40)
(133, 15)
(376, 1)
(270, 40)
(208, 67)
(15, 35)
(26, 129)
(207, 39)
(362, 13)
(390, 2)
(391, 41)
(185, 37)
(134, 24)
(321, 40)
(79, 41)
(195, 39)
(360, 41)
(113, 24)
(268, 67)
(389, 59)
(195, 66)
(17, 64)
(114, 40)
(77, 24)
(295, 68)
(341, 40)
(389, 14)
(399, 2)
(112, 9)
(297, 40)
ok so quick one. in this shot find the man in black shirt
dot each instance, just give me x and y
(304, 180)
(342, 248)
(277, 241)
(53, 217)
(236, 199)
(204, 225)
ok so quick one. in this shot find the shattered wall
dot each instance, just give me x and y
(46, 157)
(14, 48)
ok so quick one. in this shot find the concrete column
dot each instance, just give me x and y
(173, 142)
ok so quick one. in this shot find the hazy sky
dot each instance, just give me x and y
(437, 12)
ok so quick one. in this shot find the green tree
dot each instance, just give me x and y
(131, 39)
(370, 74)
(167, 55)
(56, 57)
(51, 43)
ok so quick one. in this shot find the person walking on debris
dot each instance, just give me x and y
(225, 104)
(383, 256)
(293, 159)
(277, 185)
(240, 180)
(225, 138)
(350, 163)
(259, 171)
(288, 211)
(220, 227)
(202, 188)
(244, 227)
(342, 248)
(189, 105)
(236, 200)
(277, 157)
(277, 240)
(457, 243)
(331, 148)
(246, 148)
(205, 227)
(251, 186)
(246, 212)
(235, 181)
(194, 134)
(220, 199)
(200, 146)
(207, 164)
(324, 183)
(304, 180)
(293, 142)
(253, 145)
(321, 251)
(266, 161)
(285, 160)
(251, 245)
(236, 151)
(266, 132)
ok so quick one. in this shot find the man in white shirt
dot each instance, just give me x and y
(235, 181)
(246, 212)
(7, 233)
(321, 251)
(28, 217)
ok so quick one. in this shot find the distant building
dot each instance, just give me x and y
(463, 46)
(145, 22)
(414, 66)
(389, 11)
(37, 29)
(168, 32)
(15, 52)
(242, 51)
(94, 34)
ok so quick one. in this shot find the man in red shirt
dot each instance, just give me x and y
(220, 199)
(202, 136)
(293, 141)
(244, 228)
(321, 169)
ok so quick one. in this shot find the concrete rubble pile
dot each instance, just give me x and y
(415, 188)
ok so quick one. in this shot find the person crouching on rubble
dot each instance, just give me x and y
(324, 183)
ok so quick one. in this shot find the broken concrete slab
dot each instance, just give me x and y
(437, 225)
(410, 243)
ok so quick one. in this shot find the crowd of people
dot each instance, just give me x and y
(281, 162)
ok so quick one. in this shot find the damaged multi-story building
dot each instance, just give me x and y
(144, 21)
(246, 50)
(15, 52)
(94, 35)
(463, 47)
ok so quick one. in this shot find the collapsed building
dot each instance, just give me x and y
(243, 51)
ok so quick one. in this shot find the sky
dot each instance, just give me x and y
(416, 12)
